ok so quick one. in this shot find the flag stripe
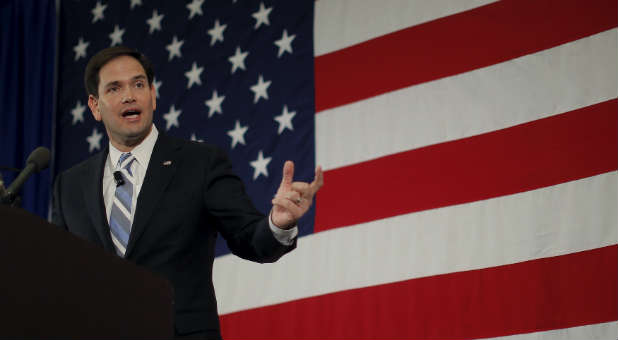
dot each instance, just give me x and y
(368, 19)
(545, 152)
(496, 301)
(496, 97)
(551, 221)
(457, 43)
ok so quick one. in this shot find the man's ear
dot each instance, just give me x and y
(93, 104)
(153, 94)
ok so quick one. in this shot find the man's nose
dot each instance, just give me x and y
(127, 96)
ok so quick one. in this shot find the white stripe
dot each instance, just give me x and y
(601, 331)
(127, 176)
(122, 209)
(561, 79)
(118, 244)
(552, 221)
(343, 23)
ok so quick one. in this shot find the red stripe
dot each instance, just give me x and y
(537, 154)
(458, 43)
(551, 293)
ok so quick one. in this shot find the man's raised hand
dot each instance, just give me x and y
(293, 199)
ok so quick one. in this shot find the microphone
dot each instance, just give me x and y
(118, 178)
(37, 161)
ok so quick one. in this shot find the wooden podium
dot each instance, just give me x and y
(55, 285)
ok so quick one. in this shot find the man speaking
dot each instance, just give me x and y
(159, 201)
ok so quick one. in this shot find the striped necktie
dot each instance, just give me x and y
(120, 217)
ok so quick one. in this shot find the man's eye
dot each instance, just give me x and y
(139, 85)
(112, 89)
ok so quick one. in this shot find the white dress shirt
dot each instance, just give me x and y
(142, 153)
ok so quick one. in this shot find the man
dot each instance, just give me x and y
(159, 201)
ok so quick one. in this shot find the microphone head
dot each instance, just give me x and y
(118, 178)
(40, 158)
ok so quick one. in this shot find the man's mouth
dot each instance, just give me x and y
(131, 113)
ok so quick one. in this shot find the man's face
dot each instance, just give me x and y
(126, 102)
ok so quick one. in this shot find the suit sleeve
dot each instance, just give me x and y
(245, 229)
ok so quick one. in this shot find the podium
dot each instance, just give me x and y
(55, 285)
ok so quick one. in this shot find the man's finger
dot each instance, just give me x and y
(288, 205)
(301, 187)
(318, 181)
(293, 196)
(288, 174)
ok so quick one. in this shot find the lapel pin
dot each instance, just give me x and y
(167, 163)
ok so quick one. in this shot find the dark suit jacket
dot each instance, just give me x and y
(180, 209)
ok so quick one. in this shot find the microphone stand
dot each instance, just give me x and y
(5, 197)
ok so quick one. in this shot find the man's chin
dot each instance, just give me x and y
(135, 136)
(141, 134)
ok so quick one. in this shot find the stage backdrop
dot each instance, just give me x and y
(470, 149)
(27, 52)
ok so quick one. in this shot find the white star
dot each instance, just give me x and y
(285, 120)
(98, 12)
(194, 75)
(116, 36)
(260, 89)
(214, 104)
(194, 138)
(238, 134)
(171, 118)
(216, 33)
(135, 3)
(261, 16)
(78, 112)
(259, 165)
(195, 7)
(80, 48)
(238, 60)
(94, 140)
(157, 85)
(174, 48)
(155, 21)
(285, 43)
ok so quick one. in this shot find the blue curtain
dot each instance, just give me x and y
(27, 53)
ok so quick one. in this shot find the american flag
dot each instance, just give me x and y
(470, 149)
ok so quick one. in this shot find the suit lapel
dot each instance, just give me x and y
(93, 196)
(160, 172)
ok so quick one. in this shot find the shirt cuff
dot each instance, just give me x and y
(284, 236)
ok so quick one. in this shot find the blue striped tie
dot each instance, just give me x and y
(120, 217)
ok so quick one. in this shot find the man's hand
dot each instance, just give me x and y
(293, 199)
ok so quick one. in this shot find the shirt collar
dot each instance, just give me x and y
(142, 151)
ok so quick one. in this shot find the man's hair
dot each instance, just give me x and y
(91, 76)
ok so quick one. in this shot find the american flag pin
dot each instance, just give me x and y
(167, 163)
